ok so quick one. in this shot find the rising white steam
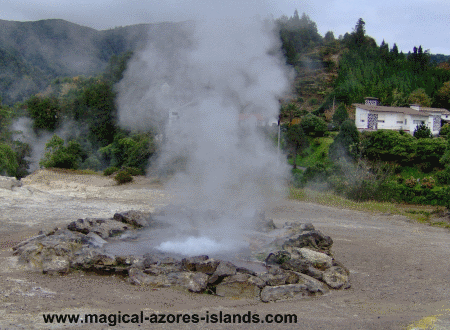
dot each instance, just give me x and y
(205, 85)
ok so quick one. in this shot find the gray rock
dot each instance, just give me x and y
(336, 278)
(193, 282)
(225, 268)
(150, 260)
(284, 292)
(56, 265)
(313, 239)
(277, 258)
(297, 265)
(317, 259)
(103, 227)
(239, 286)
(128, 260)
(191, 262)
(94, 240)
(138, 277)
(136, 219)
(306, 287)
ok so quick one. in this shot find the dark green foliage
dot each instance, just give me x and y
(133, 171)
(61, 156)
(427, 153)
(298, 35)
(116, 67)
(443, 177)
(391, 76)
(133, 150)
(340, 115)
(422, 132)
(8, 160)
(123, 176)
(313, 126)
(346, 143)
(296, 140)
(96, 109)
(290, 111)
(110, 170)
(23, 152)
(445, 130)
(387, 146)
(45, 112)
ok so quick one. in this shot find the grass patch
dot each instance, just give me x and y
(317, 152)
(420, 213)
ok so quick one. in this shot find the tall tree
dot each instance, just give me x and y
(346, 143)
(296, 140)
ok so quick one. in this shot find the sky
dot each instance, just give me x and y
(407, 23)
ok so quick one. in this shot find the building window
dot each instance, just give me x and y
(406, 121)
(362, 120)
(418, 122)
(400, 122)
(381, 121)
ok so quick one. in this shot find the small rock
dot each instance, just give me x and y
(336, 277)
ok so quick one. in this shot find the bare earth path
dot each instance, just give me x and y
(400, 270)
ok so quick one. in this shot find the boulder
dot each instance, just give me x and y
(193, 282)
(318, 260)
(137, 277)
(103, 227)
(241, 286)
(225, 268)
(312, 239)
(336, 277)
(307, 286)
(136, 219)
(94, 240)
(192, 262)
(56, 265)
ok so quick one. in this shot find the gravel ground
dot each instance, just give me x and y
(400, 271)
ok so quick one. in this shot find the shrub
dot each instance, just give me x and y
(445, 130)
(411, 182)
(313, 125)
(8, 161)
(123, 177)
(61, 156)
(422, 132)
(443, 177)
(110, 170)
(427, 183)
(133, 170)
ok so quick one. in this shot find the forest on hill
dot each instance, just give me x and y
(65, 98)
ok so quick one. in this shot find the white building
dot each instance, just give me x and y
(371, 116)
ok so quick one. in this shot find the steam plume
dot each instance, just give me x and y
(212, 74)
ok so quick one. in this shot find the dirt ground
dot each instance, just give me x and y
(400, 270)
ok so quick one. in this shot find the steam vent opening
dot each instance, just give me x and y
(267, 263)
